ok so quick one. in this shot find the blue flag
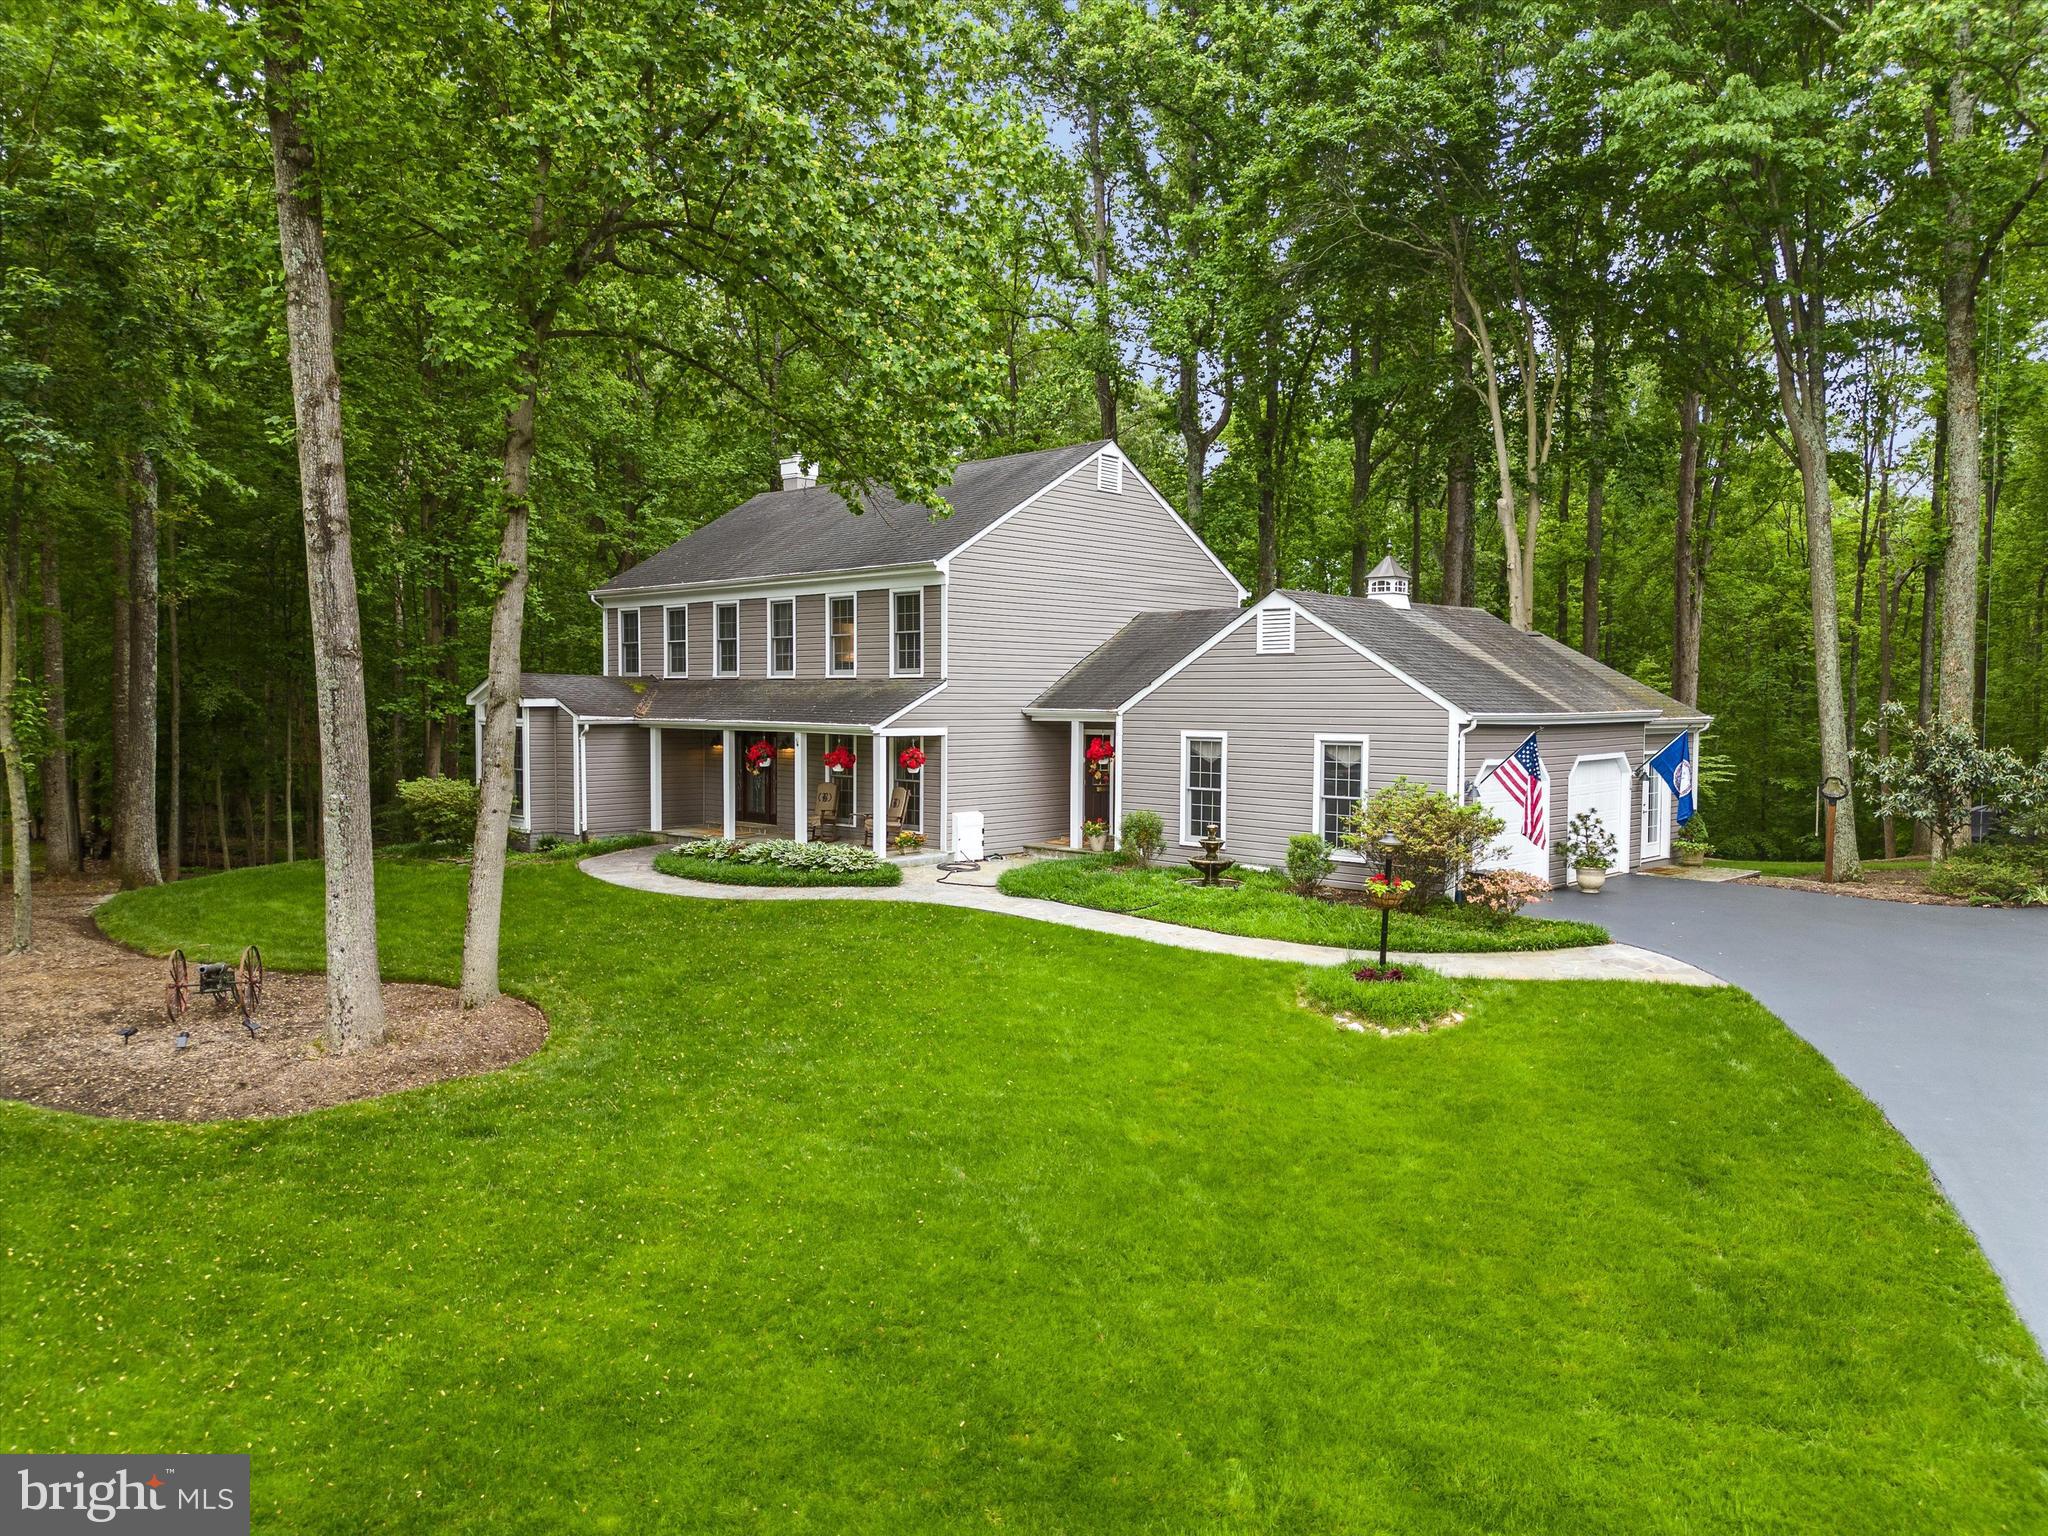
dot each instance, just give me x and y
(1674, 767)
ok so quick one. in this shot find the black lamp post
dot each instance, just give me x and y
(1388, 843)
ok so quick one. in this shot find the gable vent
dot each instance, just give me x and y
(1276, 631)
(1109, 474)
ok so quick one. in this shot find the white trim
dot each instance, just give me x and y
(801, 789)
(1182, 665)
(880, 773)
(1223, 791)
(1074, 772)
(729, 789)
(1372, 656)
(894, 593)
(853, 578)
(523, 726)
(1566, 717)
(1621, 833)
(579, 765)
(654, 737)
(1315, 825)
(854, 599)
(1109, 474)
(667, 641)
(718, 669)
(768, 658)
(945, 561)
(945, 627)
(1116, 781)
(1281, 640)
(921, 699)
(1656, 798)
(639, 651)
(943, 839)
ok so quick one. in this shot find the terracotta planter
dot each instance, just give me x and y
(1590, 880)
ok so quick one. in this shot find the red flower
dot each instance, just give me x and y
(759, 754)
(912, 759)
(840, 760)
(1100, 749)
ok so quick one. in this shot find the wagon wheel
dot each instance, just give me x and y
(249, 980)
(178, 988)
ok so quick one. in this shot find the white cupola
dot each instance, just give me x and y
(1387, 583)
(797, 475)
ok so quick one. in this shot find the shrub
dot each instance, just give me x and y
(778, 861)
(1309, 862)
(1442, 841)
(1420, 998)
(442, 810)
(1500, 893)
(2013, 874)
(1143, 837)
(1587, 842)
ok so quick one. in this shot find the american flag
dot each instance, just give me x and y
(1522, 777)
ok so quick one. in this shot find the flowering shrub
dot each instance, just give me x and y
(1441, 841)
(1501, 893)
(840, 760)
(911, 759)
(908, 841)
(1937, 771)
(783, 853)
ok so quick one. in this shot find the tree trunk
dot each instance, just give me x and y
(174, 778)
(482, 929)
(1460, 473)
(355, 998)
(1964, 499)
(220, 815)
(60, 808)
(1596, 496)
(291, 849)
(1810, 438)
(1365, 423)
(1685, 658)
(1266, 435)
(1098, 230)
(135, 846)
(21, 931)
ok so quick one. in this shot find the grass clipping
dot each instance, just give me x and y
(1418, 1002)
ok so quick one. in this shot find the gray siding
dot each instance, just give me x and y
(611, 642)
(685, 765)
(1029, 601)
(615, 781)
(1270, 710)
(550, 789)
(1561, 746)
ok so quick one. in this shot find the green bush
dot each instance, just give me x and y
(1441, 840)
(442, 810)
(2011, 874)
(1143, 837)
(1309, 862)
(1421, 996)
(778, 861)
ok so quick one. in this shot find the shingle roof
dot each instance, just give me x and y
(853, 703)
(1133, 658)
(811, 531)
(1486, 666)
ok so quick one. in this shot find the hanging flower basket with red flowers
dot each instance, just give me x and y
(911, 759)
(1386, 891)
(1100, 754)
(760, 754)
(839, 760)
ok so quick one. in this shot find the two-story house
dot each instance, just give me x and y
(1058, 646)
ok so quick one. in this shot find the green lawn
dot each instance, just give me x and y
(1263, 907)
(1807, 869)
(875, 1217)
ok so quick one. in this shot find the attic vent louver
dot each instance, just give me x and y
(1276, 632)
(1109, 474)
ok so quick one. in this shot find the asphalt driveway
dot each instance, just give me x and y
(1939, 1014)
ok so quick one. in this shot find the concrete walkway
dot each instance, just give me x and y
(1937, 1013)
(634, 869)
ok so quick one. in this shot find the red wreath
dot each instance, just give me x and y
(759, 755)
(1100, 754)
(911, 759)
(840, 759)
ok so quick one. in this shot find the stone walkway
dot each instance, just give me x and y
(634, 869)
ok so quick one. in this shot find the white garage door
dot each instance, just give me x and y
(1600, 785)
(1520, 852)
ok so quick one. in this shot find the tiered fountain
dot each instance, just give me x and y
(1212, 863)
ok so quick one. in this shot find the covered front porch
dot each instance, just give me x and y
(754, 782)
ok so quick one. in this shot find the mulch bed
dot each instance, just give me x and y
(62, 1006)
(1874, 885)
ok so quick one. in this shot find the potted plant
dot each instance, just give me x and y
(1387, 891)
(1691, 847)
(1589, 850)
(911, 760)
(1094, 835)
(839, 760)
(760, 754)
(908, 841)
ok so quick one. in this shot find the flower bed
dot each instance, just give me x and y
(778, 861)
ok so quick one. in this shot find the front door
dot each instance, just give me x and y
(756, 798)
(1094, 781)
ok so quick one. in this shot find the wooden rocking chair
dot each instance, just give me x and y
(824, 826)
(899, 808)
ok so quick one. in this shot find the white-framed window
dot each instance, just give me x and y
(1201, 785)
(1276, 631)
(842, 632)
(1340, 784)
(1109, 474)
(629, 642)
(1656, 839)
(906, 638)
(519, 809)
(782, 637)
(676, 634)
(725, 640)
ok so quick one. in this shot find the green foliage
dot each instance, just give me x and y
(2010, 874)
(441, 810)
(1142, 838)
(1309, 862)
(1440, 839)
(1587, 842)
(778, 861)
(1937, 772)
(1419, 999)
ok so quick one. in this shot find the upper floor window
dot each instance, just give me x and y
(840, 635)
(782, 637)
(678, 623)
(726, 638)
(629, 642)
(909, 632)
(1340, 783)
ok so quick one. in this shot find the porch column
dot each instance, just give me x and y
(1116, 783)
(1074, 784)
(880, 755)
(803, 788)
(654, 778)
(725, 778)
